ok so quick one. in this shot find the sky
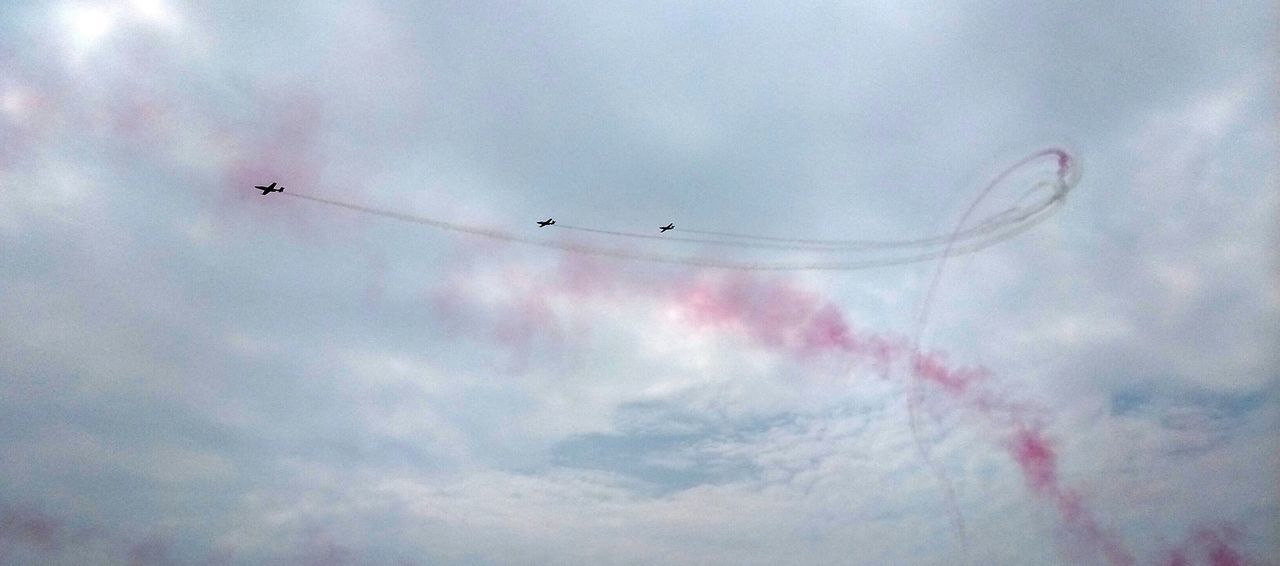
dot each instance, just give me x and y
(194, 373)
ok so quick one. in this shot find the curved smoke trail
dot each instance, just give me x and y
(1068, 175)
(968, 236)
(990, 231)
(994, 223)
(1008, 217)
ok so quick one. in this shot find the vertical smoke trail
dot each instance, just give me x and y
(793, 323)
(1067, 176)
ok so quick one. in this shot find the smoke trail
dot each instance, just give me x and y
(1068, 175)
(967, 237)
(798, 324)
(619, 253)
(1038, 460)
(793, 323)
(990, 231)
(964, 239)
(1010, 217)
(1005, 218)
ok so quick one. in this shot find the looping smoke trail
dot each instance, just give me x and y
(1007, 217)
(1066, 180)
(968, 236)
(1067, 176)
(1012, 216)
(990, 231)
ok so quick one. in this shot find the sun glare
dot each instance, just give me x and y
(87, 25)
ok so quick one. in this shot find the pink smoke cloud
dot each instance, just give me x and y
(524, 317)
(135, 111)
(778, 316)
(1038, 459)
(1213, 546)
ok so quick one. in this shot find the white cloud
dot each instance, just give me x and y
(236, 380)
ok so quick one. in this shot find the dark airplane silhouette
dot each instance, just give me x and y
(547, 222)
(269, 188)
(667, 227)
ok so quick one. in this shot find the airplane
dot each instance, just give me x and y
(547, 222)
(269, 188)
(667, 227)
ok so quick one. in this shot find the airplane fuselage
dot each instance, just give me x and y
(269, 188)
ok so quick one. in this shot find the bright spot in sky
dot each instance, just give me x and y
(155, 12)
(151, 9)
(86, 25)
(13, 102)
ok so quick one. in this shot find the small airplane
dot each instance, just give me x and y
(269, 188)
(669, 226)
(547, 222)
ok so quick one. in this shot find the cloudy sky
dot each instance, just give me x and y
(193, 373)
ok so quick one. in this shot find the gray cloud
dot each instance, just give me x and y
(194, 373)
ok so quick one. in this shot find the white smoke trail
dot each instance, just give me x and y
(964, 240)
(1068, 175)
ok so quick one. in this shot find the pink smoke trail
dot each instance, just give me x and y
(798, 324)
(962, 239)
(1213, 545)
(1038, 460)
(790, 322)
(784, 319)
